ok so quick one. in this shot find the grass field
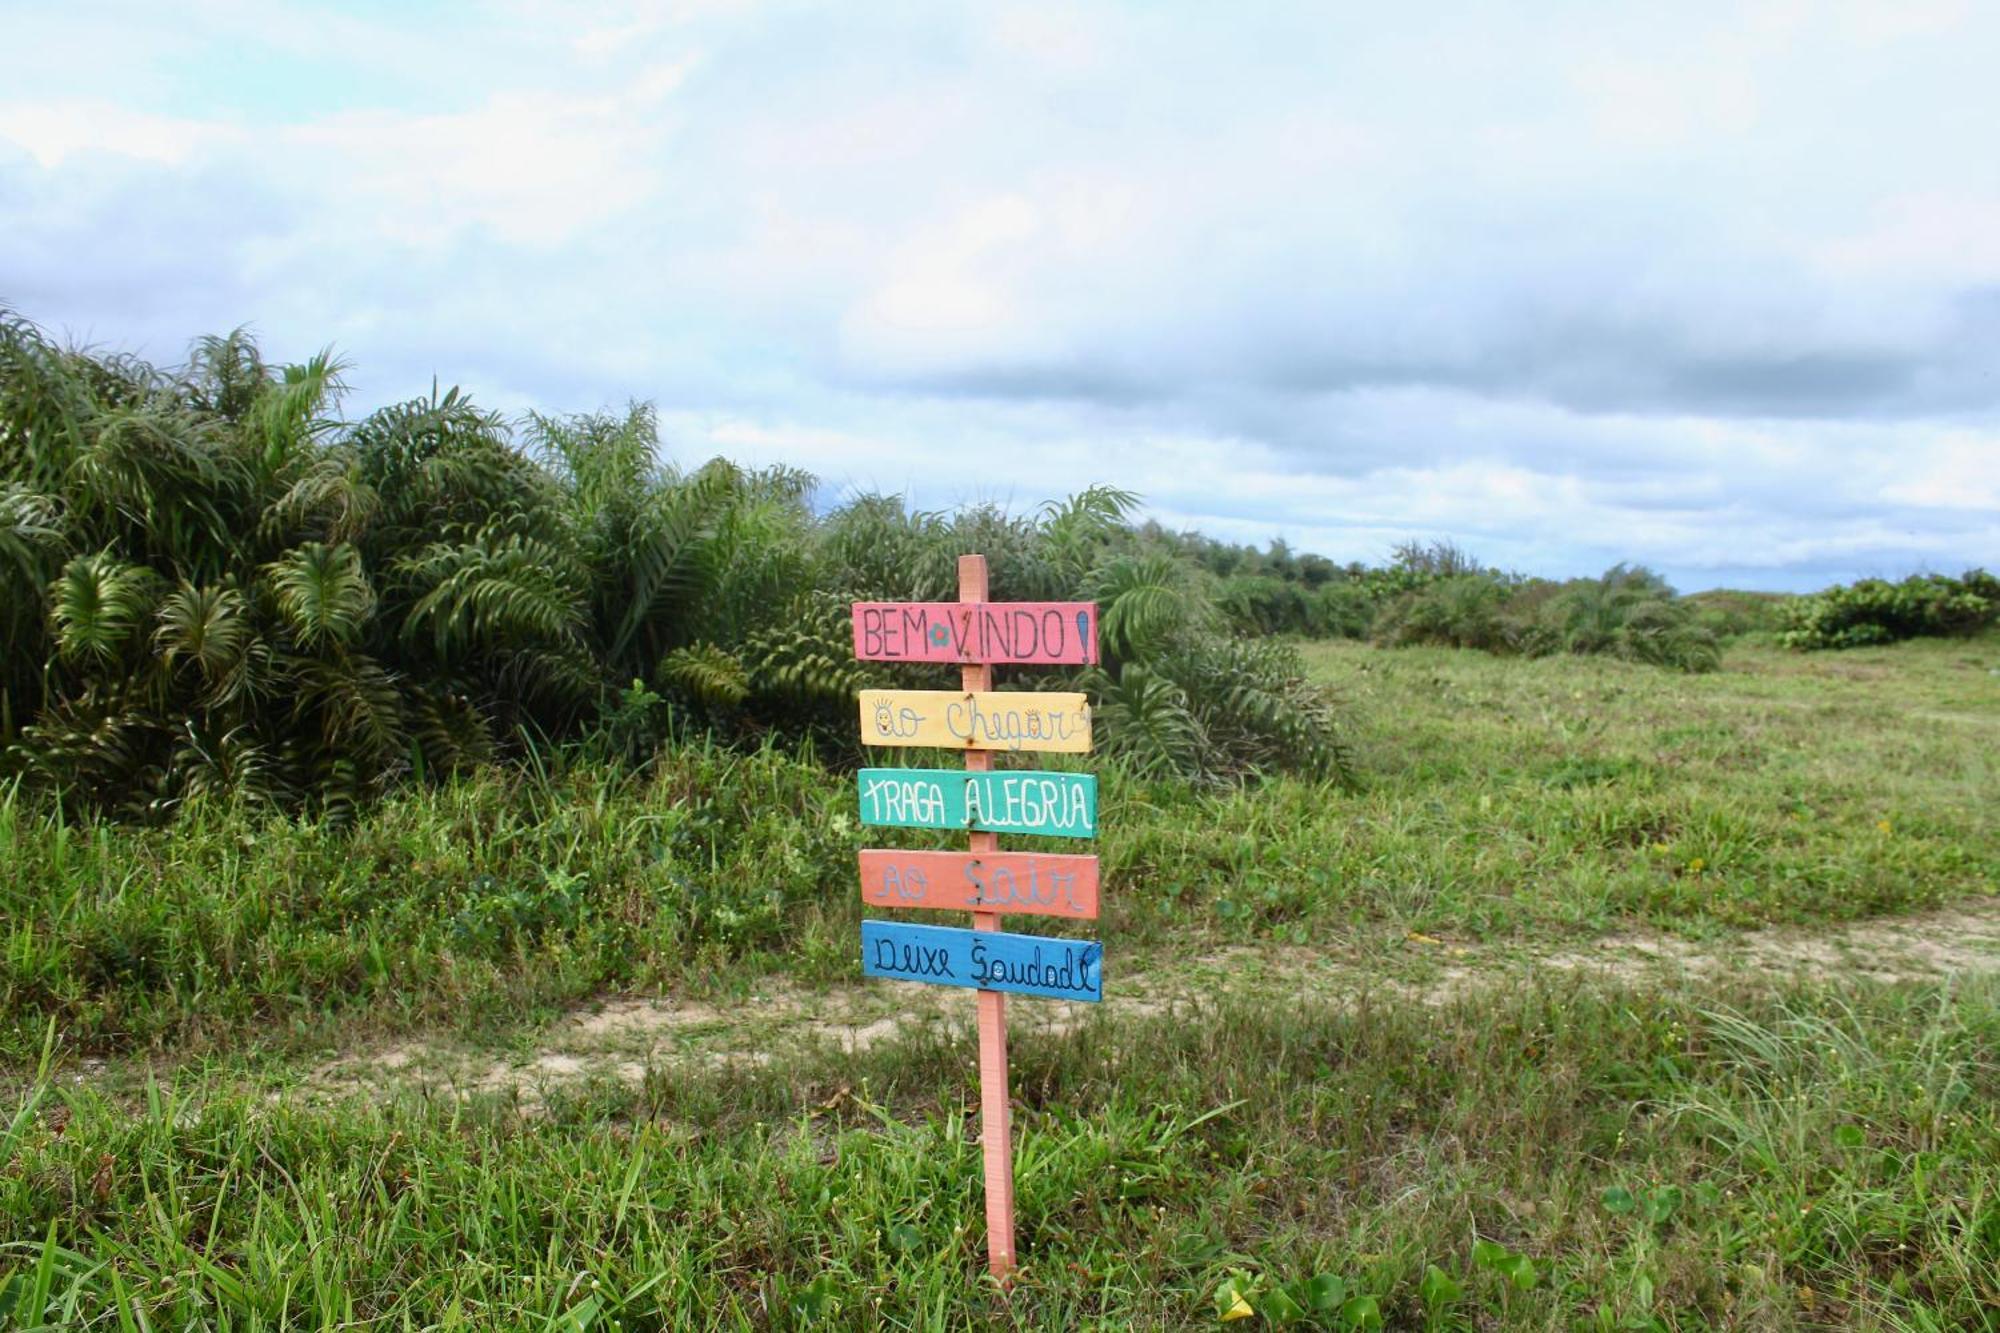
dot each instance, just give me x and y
(1540, 1028)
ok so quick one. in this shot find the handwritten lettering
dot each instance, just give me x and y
(1011, 727)
(1040, 883)
(1045, 632)
(898, 799)
(976, 720)
(991, 960)
(912, 960)
(898, 723)
(1057, 804)
(1043, 886)
(1072, 973)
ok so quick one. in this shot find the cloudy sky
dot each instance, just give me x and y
(1711, 287)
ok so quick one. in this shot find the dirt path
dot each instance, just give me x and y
(623, 1039)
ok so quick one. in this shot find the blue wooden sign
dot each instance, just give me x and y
(984, 960)
(1063, 805)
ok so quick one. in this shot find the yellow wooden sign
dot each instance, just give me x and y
(976, 720)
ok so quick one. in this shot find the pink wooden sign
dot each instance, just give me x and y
(999, 882)
(1051, 633)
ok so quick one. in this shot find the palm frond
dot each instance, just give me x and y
(1144, 600)
(712, 676)
(1146, 722)
(97, 605)
(322, 593)
(211, 629)
(31, 532)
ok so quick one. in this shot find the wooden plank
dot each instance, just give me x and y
(1045, 633)
(1061, 805)
(977, 720)
(984, 960)
(1000, 882)
(996, 1119)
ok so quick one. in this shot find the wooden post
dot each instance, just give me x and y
(996, 1135)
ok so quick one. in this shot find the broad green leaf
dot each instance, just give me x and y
(1361, 1312)
(1280, 1308)
(1439, 1287)
(1325, 1292)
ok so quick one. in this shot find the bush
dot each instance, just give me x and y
(1346, 608)
(1729, 613)
(1628, 612)
(1877, 611)
(211, 585)
(1458, 611)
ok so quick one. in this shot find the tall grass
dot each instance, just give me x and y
(1510, 798)
(1558, 1155)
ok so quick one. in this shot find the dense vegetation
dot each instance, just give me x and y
(212, 585)
(1262, 1111)
(1629, 613)
(1506, 799)
(1876, 611)
(1437, 593)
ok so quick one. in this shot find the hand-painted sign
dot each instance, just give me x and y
(984, 960)
(1046, 885)
(1061, 805)
(976, 720)
(1049, 633)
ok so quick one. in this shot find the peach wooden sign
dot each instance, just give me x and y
(1043, 884)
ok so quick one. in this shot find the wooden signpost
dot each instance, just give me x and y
(983, 880)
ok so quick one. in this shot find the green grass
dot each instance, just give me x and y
(1506, 799)
(1738, 1157)
(1734, 1152)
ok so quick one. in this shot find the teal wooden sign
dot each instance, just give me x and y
(1062, 805)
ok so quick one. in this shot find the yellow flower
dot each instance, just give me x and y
(1696, 865)
(1882, 824)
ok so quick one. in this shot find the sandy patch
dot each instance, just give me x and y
(626, 1039)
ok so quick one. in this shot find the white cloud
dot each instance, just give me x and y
(1712, 286)
(53, 132)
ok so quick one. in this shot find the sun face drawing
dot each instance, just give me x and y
(885, 721)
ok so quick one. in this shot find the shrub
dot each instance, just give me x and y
(1628, 612)
(1729, 613)
(1877, 611)
(1458, 611)
(210, 585)
(1346, 608)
